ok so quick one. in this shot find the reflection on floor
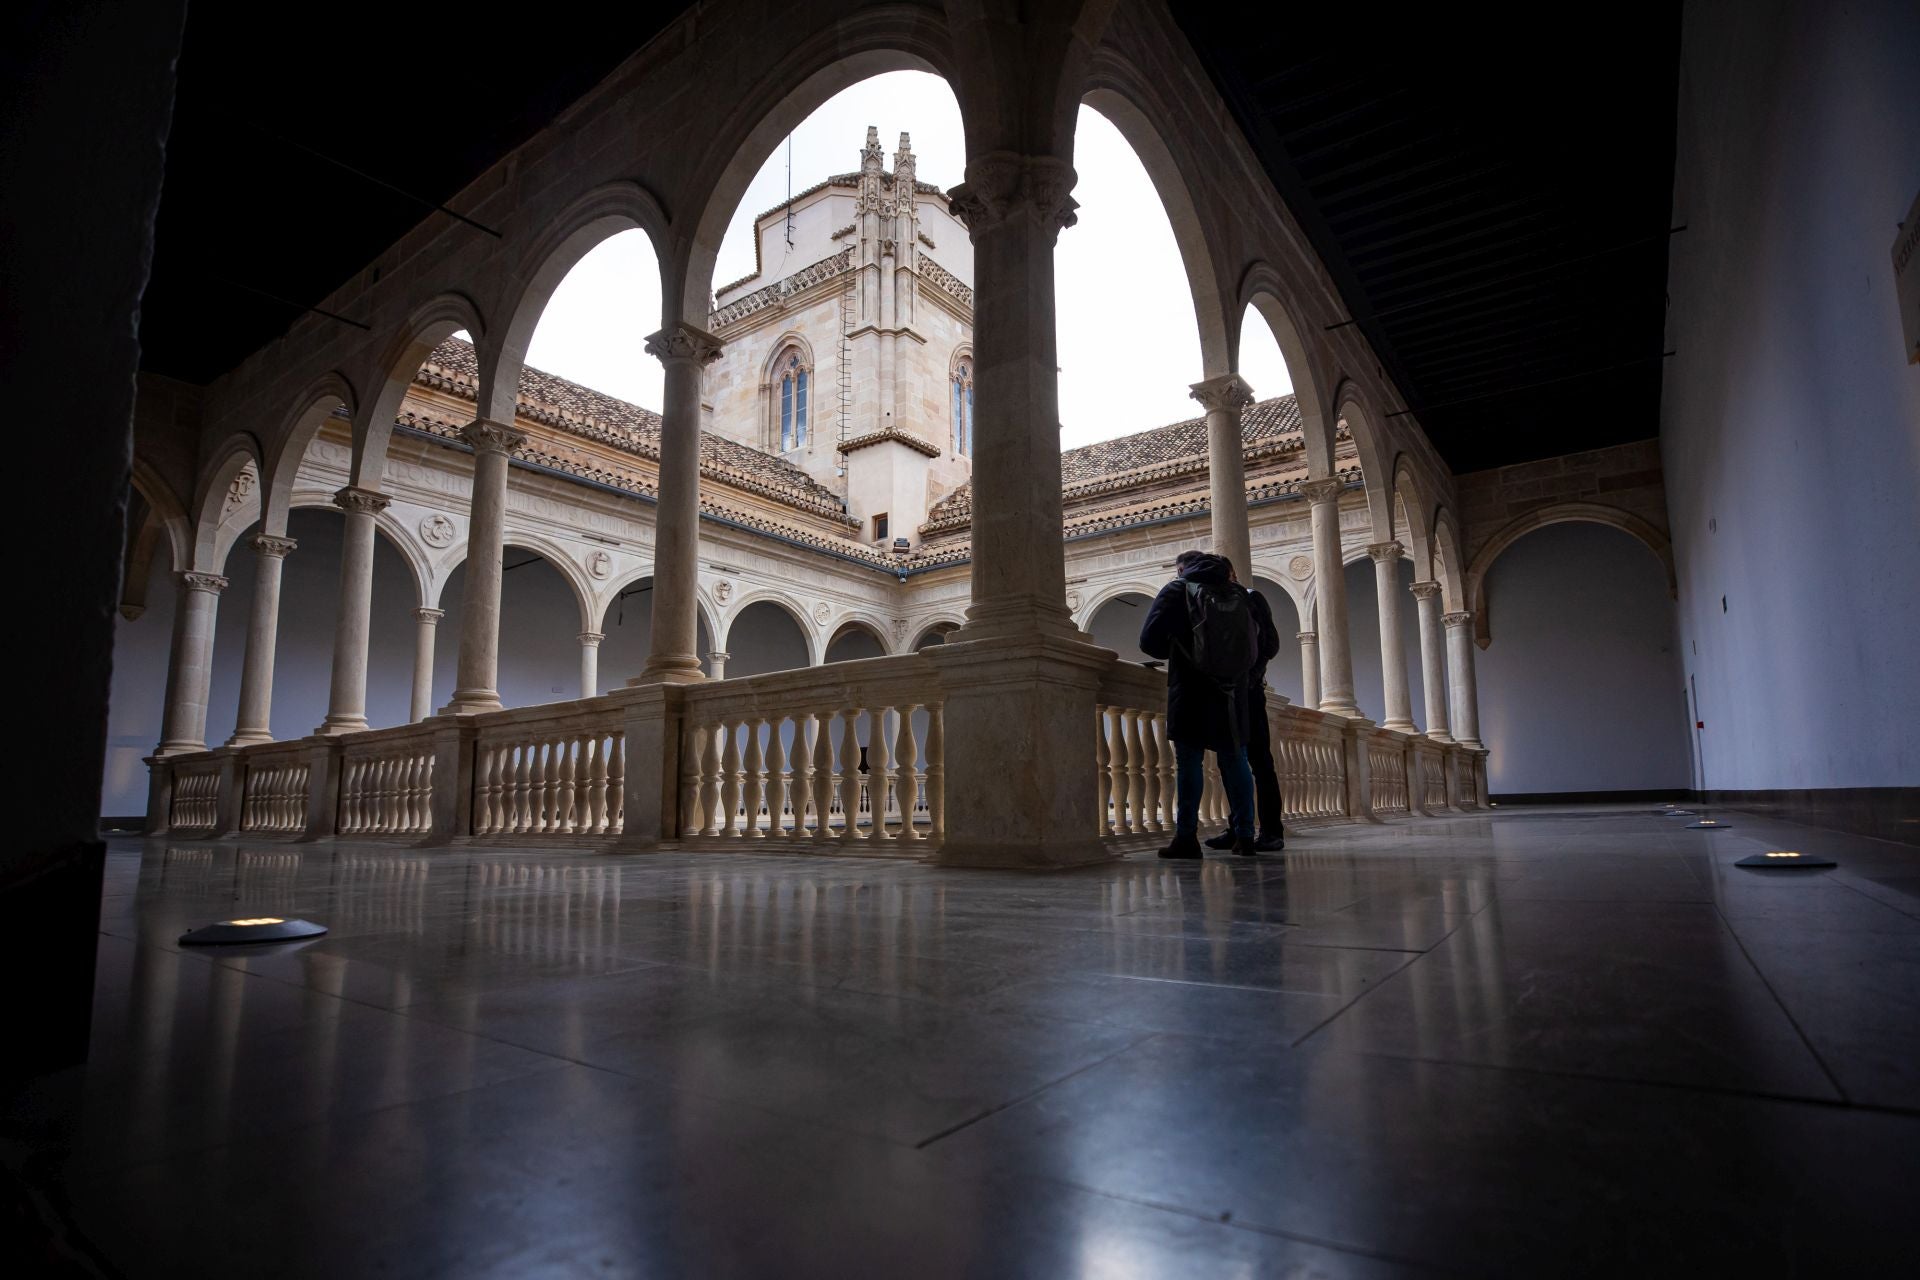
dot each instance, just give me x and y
(1536, 1043)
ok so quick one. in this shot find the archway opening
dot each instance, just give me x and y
(1116, 625)
(627, 625)
(539, 654)
(934, 635)
(765, 637)
(1363, 639)
(855, 640)
(1283, 672)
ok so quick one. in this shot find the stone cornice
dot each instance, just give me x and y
(780, 290)
(947, 282)
(361, 501)
(886, 435)
(268, 545)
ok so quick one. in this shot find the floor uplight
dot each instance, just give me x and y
(251, 929)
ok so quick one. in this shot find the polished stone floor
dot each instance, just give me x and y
(1538, 1043)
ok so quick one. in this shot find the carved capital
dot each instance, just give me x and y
(1307, 637)
(265, 544)
(429, 616)
(1228, 391)
(1425, 590)
(1002, 185)
(1464, 618)
(1319, 491)
(683, 342)
(487, 436)
(719, 655)
(1386, 551)
(592, 639)
(362, 501)
(211, 583)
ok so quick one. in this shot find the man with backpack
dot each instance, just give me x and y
(1203, 626)
(1266, 777)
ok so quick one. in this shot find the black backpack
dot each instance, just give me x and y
(1225, 642)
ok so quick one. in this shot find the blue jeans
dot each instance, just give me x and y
(1190, 777)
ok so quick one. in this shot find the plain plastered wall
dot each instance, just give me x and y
(1790, 419)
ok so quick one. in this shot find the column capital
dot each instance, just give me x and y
(1425, 590)
(1386, 552)
(1228, 391)
(1306, 637)
(354, 500)
(1002, 184)
(1463, 618)
(211, 583)
(1319, 491)
(721, 654)
(429, 616)
(592, 638)
(267, 544)
(682, 343)
(488, 436)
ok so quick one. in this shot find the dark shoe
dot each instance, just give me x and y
(1271, 844)
(1245, 848)
(1222, 841)
(1184, 847)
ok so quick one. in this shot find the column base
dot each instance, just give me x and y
(1444, 739)
(1345, 710)
(681, 670)
(1034, 856)
(1472, 744)
(1401, 726)
(1021, 619)
(179, 748)
(249, 738)
(473, 702)
(333, 726)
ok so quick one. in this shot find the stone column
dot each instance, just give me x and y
(1466, 706)
(190, 664)
(685, 351)
(717, 665)
(1309, 669)
(347, 699)
(426, 624)
(1336, 657)
(254, 723)
(478, 671)
(1393, 654)
(1224, 397)
(590, 663)
(1433, 661)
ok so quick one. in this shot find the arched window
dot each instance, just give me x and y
(963, 409)
(793, 401)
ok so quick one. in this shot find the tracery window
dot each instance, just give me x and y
(793, 401)
(963, 409)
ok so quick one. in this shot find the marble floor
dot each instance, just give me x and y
(1534, 1043)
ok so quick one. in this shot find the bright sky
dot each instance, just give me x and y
(1129, 346)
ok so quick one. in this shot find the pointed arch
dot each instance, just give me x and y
(400, 361)
(1539, 518)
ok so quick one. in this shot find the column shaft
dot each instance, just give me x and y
(717, 665)
(1224, 397)
(1433, 661)
(254, 723)
(1466, 707)
(1393, 653)
(478, 671)
(590, 663)
(1330, 590)
(685, 351)
(190, 663)
(347, 699)
(426, 628)
(1309, 669)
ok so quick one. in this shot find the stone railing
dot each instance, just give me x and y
(847, 757)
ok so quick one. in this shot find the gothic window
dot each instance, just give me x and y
(793, 401)
(963, 409)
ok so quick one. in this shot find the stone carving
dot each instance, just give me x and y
(899, 630)
(437, 531)
(1001, 182)
(822, 614)
(237, 491)
(212, 583)
(684, 342)
(1385, 551)
(361, 501)
(429, 616)
(1301, 567)
(723, 591)
(1460, 619)
(1425, 590)
(600, 565)
(1228, 391)
(268, 545)
(492, 437)
(1318, 491)
(1073, 602)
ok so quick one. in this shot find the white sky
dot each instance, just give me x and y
(1129, 347)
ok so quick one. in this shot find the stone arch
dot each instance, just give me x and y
(772, 371)
(1297, 592)
(429, 326)
(1123, 635)
(1449, 569)
(598, 215)
(1539, 518)
(855, 624)
(1128, 101)
(865, 44)
(1353, 406)
(706, 622)
(331, 393)
(941, 628)
(425, 589)
(1264, 290)
(1109, 592)
(787, 605)
(168, 511)
(781, 606)
(552, 552)
(1409, 505)
(213, 533)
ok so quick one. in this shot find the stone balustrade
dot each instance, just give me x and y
(847, 758)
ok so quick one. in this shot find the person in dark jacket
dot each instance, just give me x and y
(1203, 713)
(1266, 778)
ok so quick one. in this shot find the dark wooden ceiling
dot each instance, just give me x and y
(1491, 190)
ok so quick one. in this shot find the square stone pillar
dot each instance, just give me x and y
(1021, 790)
(159, 796)
(1359, 770)
(233, 782)
(323, 787)
(651, 717)
(451, 814)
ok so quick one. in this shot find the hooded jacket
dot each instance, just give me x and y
(1200, 711)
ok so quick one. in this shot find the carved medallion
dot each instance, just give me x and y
(822, 614)
(600, 564)
(1073, 602)
(437, 531)
(723, 591)
(1301, 567)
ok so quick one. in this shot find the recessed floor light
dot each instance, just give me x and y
(1785, 860)
(251, 929)
(1708, 824)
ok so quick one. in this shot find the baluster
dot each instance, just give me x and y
(906, 773)
(855, 797)
(376, 792)
(710, 781)
(1136, 775)
(777, 780)
(513, 786)
(805, 728)
(692, 760)
(756, 790)
(483, 788)
(593, 786)
(734, 775)
(1150, 770)
(617, 783)
(1103, 770)
(879, 773)
(936, 771)
(570, 822)
(344, 819)
(826, 782)
(406, 791)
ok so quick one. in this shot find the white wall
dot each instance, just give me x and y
(1116, 625)
(136, 698)
(539, 636)
(1580, 689)
(1283, 673)
(762, 638)
(1790, 420)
